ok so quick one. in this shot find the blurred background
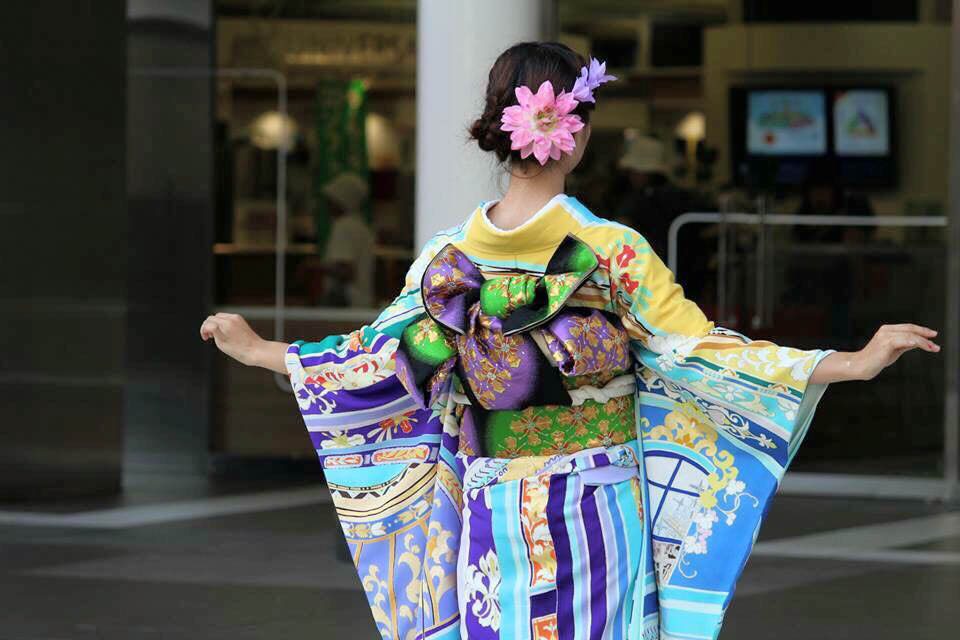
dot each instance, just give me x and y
(163, 160)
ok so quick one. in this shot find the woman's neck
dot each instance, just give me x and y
(528, 191)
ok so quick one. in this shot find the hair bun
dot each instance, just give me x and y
(486, 131)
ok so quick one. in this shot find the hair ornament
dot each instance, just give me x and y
(590, 79)
(541, 124)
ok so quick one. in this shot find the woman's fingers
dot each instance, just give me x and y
(211, 327)
(910, 332)
(914, 328)
(890, 342)
(922, 342)
(906, 340)
(206, 329)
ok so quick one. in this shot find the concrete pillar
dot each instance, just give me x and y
(170, 189)
(457, 42)
(63, 233)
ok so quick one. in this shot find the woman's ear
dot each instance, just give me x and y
(580, 139)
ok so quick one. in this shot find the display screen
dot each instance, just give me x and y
(783, 123)
(788, 136)
(861, 123)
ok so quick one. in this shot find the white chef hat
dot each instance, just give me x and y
(348, 190)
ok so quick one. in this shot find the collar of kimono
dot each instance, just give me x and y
(536, 238)
(452, 283)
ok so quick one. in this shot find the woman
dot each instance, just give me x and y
(542, 437)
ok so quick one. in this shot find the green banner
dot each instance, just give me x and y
(341, 114)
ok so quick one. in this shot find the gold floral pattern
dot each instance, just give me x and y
(558, 286)
(530, 425)
(577, 418)
(536, 530)
(503, 295)
(488, 357)
(595, 344)
(556, 429)
(427, 331)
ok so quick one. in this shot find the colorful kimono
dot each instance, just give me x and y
(542, 438)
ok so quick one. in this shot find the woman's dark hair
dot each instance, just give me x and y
(530, 64)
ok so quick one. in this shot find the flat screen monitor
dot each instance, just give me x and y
(863, 136)
(861, 122)
(786, 123)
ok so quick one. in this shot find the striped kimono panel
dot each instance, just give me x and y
(553, 546)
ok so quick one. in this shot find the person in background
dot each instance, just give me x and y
(823, 197)
(300, 194)
(348, 260)
(652, 202)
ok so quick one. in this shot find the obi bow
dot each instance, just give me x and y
(511, 339)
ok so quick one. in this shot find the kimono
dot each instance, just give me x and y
(542, 438)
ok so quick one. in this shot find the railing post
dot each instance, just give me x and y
(758, 316)
(951, 409)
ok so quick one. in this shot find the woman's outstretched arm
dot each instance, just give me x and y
(652, 302)
(234, 336)
(238, 340)
(889, 343)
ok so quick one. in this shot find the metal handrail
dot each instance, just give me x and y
(780, 219)
(950, 428)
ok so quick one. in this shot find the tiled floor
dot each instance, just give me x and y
(256, 572)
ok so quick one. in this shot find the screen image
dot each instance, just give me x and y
(861, 123)
(786, 123)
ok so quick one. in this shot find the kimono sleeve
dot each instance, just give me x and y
(719, 418)
(339, 378)
(379, 450)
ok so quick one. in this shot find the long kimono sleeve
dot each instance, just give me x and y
(380, 452)
(719, 417)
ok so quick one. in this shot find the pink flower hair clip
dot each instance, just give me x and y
(542, 124)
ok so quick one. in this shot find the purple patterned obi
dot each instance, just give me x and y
(511, 340)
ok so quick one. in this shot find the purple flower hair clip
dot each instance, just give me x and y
(590, 78)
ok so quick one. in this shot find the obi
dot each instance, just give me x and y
(533, 375)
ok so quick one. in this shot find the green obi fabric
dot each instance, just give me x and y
(557, 429)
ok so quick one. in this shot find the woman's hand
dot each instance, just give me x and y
(888, 344)
(234, 337)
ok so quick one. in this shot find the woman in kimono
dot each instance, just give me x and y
(541, 437)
